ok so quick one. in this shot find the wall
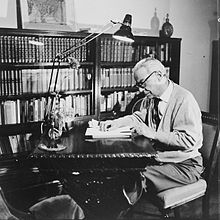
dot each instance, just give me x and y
(8, 15)
(194, 21)
(102, 11)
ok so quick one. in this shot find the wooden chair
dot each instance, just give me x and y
(172, 199)
(26, 197)
(9, 212)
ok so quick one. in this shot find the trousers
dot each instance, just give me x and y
(165, 176)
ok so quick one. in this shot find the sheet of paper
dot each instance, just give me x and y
(123, 132)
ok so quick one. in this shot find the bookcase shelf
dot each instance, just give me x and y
(118, 89)
(117, 64)
(26, 62)
(103, 82)
(26, 96)
(76, 92)
(10, 66)
(21, 128)
(117, 60)
(40, 65)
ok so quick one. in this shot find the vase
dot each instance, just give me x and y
(167, 28)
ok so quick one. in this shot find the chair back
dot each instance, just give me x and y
(132, 106)
(137, 105)
(211, 144)
(8, 212)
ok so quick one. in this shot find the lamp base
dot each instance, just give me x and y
(55, 147)
(51, 139)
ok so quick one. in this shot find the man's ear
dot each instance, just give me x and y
(160, 75)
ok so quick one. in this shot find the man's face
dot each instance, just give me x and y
(147, 81)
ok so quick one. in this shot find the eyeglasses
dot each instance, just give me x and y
(141, 84)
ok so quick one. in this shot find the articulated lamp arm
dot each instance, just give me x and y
(124, 33)
(74, 63)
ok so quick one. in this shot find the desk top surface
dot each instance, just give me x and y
(77, 146)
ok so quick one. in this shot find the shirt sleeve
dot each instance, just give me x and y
(130, 120)
(134, 119)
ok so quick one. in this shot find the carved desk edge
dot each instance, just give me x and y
(93, 156)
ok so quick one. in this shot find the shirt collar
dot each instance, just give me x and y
(167, 93)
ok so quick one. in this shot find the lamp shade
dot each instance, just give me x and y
(124, 33)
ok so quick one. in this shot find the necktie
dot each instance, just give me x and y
(155, 113)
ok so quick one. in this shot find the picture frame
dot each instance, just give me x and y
(48, 14)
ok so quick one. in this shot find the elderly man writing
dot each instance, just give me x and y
(170, 115)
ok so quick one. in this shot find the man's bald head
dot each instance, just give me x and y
(150, 65)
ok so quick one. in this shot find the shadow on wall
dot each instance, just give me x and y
(153, 31)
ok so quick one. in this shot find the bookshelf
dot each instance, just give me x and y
(117, 60)
(25, 69)
(104, 80)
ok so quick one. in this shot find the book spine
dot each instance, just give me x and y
(1, 49)
(1, 83)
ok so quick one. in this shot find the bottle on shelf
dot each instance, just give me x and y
(155, 23)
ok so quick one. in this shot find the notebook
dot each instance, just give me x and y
(94, 132)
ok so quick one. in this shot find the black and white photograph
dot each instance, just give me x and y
(109, 110)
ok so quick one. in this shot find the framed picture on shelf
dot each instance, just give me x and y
(48, 14)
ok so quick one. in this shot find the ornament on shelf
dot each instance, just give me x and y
(167, 28)
(155, 22)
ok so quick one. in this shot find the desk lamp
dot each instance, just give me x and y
(124, 34)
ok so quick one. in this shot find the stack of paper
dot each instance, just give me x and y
(123, 132)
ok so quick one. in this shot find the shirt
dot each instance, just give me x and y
(164, 99)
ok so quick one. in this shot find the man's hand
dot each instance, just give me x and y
(143, 129)
(108, 125)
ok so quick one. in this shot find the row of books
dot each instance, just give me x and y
(142, 51)
(117, 77)
(15, 144)
(120, 77)
(161, 52)
(22, 111)
(122, 99)
(115, 51)
(118, 51)
(32, 49)
(35, 81)
(17, 82)
(10, 82)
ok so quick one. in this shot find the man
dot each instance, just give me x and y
(169, 115)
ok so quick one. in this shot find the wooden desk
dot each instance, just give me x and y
(94, 172)
(96, 154)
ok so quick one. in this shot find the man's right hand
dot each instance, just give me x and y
(108, 125)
